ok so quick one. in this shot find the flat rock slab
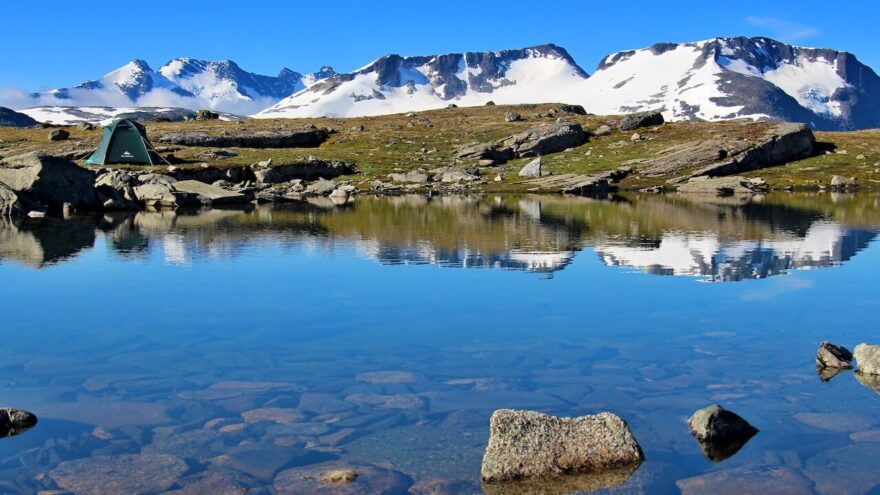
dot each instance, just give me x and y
(747, 480)
(301, 138)
(213, 194)
(536, 141)
(722, 186)
(525, 444)
(131, 473)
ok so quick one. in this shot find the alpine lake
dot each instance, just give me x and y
(246, 350)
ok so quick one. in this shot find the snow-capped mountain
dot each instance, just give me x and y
(716, 79)
(726, 78)
(394, 84)
(183, 83)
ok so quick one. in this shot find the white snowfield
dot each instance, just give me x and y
(65, 115)
(678, 79)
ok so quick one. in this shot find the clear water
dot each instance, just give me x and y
(238, 347)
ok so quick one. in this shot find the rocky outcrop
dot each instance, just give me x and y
(211, 174)
(11, 118)
(721, 433)
(49, 181)
(526, 444)
(638, 120)
(58, 135)
(833, 356)
(115, 190)
(723, 186)
(868, 358)
(310, 170)
(15, 421)
(537, 141)
(10, 206)
(512, 117)
(209, 194)
(158, 195)
(780, 143)
(299, 138)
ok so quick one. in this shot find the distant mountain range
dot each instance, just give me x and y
(716, 79)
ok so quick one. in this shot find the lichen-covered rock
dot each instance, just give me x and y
(868, 358)
(15, 421)
(833, 356)
(526, 444)
(716, 424)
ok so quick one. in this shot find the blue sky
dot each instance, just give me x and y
(63, 46)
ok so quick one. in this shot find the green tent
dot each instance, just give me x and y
(125, 142)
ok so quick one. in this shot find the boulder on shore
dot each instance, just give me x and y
(833, 356)
(723, 186)
(49, 180)
(540, 140)
(531, 169)
(308, 170)
(209, 194)
(15, 421)
(526, 444)
(868, 358)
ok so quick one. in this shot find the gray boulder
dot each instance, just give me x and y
(512, 117)
(526, 444)
(15, 421)
(568, 110)
(165, 195)
(716, 424)
(723, 186)
(868, 358)
(638, 120)
(833, 356)
(309, 170)
(49, 180)
(603, 130)
(321, 187)
(58, 135)
(839, 183)
(540, 140)
(10, 206)
(411, 177)
(207, 115)
(531, 169)
(85, 126)
(115, 189)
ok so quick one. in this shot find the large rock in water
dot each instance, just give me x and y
(779, 143)
(15, 421)
(11, 118)
(868, 358)
(638, 120)
(310, 170)
(525, 444)
(537, 141)
(298, 138)
(49, 180)
(721, 433)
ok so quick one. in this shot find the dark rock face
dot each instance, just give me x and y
(781, 143)
(639, 120)
(49, 180)
(721, 433)
(525, 444)
(537, 141)
(207, 115)
(302, 138)
(11, 118)
(15, 421)
(833, 356)
(311, 170)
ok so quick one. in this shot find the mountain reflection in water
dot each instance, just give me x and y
(712, 239)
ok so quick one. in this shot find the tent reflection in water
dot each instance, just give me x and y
(125, 142)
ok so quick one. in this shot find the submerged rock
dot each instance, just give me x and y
(716, 424)
(526, 444)
(868, 358)
(833, 356)
(15, 421)
(130, 473)
(339, 478)
(747, 480)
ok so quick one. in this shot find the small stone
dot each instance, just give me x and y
(860, 157)
(636, 137)
(339, 476)
(714, 423)
(512, 117)
(833, 356)
(868, 358)
(497, 178)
